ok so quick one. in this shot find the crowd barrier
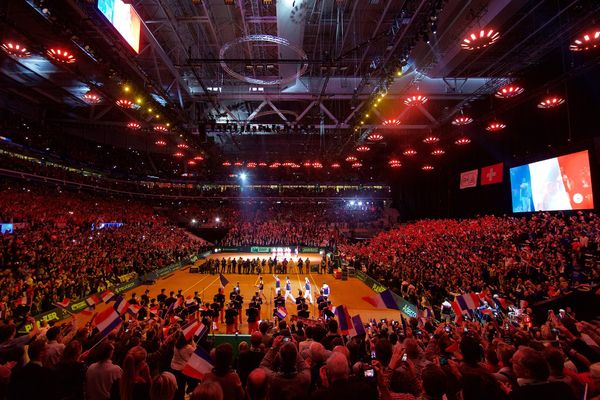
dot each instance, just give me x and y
(58, 313)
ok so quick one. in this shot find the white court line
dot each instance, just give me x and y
(205, 276)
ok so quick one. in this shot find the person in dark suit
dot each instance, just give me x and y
(33, 381)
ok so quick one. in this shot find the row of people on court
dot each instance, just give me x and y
(257, 265)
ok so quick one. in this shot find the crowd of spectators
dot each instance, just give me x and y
(520, 258)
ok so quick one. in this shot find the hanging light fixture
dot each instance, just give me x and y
(394, 163)
(317, 165)
(410, 152)
(92, 98)
(125, 103)
(134, 126)
(295, 166)
(363, 148)
(375, 137)
(587, 41)
(288, 164)
(462, 120)
(178, 154)
(199, 158)
(262, 164)
(335, 165)
(226, 164)
(307, 164)
(551, 102)
(160, 128)
(15, 49)
(461, 141)
(182, 146)
(61, 56)
(351, 158)
(356, 164)
(415, 100)
(438, 152)
(160, 143)
(509, 91)
(251, 165)
(191, 162)
(431, 139)
(480, 40)
(427, 167)
(495, 126)
(275, 165)
(391, 122)
(238, 163)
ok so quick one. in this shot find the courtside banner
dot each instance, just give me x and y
(405, 306)
(468, 179)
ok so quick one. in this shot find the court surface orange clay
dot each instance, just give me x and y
(348, 292)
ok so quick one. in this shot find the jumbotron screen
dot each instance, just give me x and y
(559, 183)
(125, 20)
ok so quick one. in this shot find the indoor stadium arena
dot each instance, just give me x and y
(299, 200)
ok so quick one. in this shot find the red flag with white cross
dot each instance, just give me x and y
(492, 174)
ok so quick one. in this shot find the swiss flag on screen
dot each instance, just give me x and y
(492, 174)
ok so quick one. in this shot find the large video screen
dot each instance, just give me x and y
(559, 183)
(125, 20)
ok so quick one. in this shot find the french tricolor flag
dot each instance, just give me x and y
(64, 303)
(344, 319)
(133, 309)
(121, 305)
(198, 365)
(467, 302)
(384, 299)
(190, 329)
(281, 312)
(107, 296)
(107, 320)
(358, 328)
(93, 300)
(202, 331)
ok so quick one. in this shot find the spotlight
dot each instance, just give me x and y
(243, 176)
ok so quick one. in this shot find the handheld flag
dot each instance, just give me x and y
(93, 300)
(120, 305)
(107, 296)
(344, 320)
(224, 280)
(281, 312)
(384, 299)
(358, 328)
(63, 304)
(190, 329)
(201, 331)
(133, 309)
(107, 320)
(198, 365)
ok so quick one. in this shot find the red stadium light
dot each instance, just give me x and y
(92, 98)
(351, 159)
(335, 165)
(160, 143)
(134, 126)
(61, 56)
(356, 164)
(288, 164)
(480, 40)
(307, 163)
(178, 154)
(125, 103)
(495, 126)
(427, 167)
(226, 164)
(509, 91)
(462, 120)
(431, 139)
(15, 49)
(238, 163)
(391, 122)
(461, 141)
(551, 102)
(275, 165)
(416, 100)
(317, 165)
(295, 166)
(363, 149)
(438, 152)
(199, 158)
(375, 137)
(262, 164)
(251, 165)
(160, 129)
(191, 162)
(183, 146)
(395, 163)
(410, 152)
(588, 40)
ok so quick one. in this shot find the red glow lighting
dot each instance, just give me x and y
(431, 139)
(262, 164)
(61, 56)
(461, 120)
(251, 165)
(288, 164)
(124, 103)
(391, 122)
(199, 158)
(307, 163)
(395, 163)
(134, 126)
(160, 128)
(295, 166)
(410, 152)
(92, 98)
(15, 49)
(275, 165)
(495, 126)
(335, 165)
(509, 91)
(160, 143)
(476, 41)
(351, 159)
(363, 148)
(416, 100)
(551, 102)
(238, 163)
(191, 162)
(375, 137)
(427, 167)
(461, 141)
(317, 165)
(178, 154)
(438, 152)
(356, 165)
(226, 164)
(589, 40)
(183, 146)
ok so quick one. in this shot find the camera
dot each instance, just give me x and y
(404, 357)
(369, 373)
(287, 339)
(447, 329)
(373, 355)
